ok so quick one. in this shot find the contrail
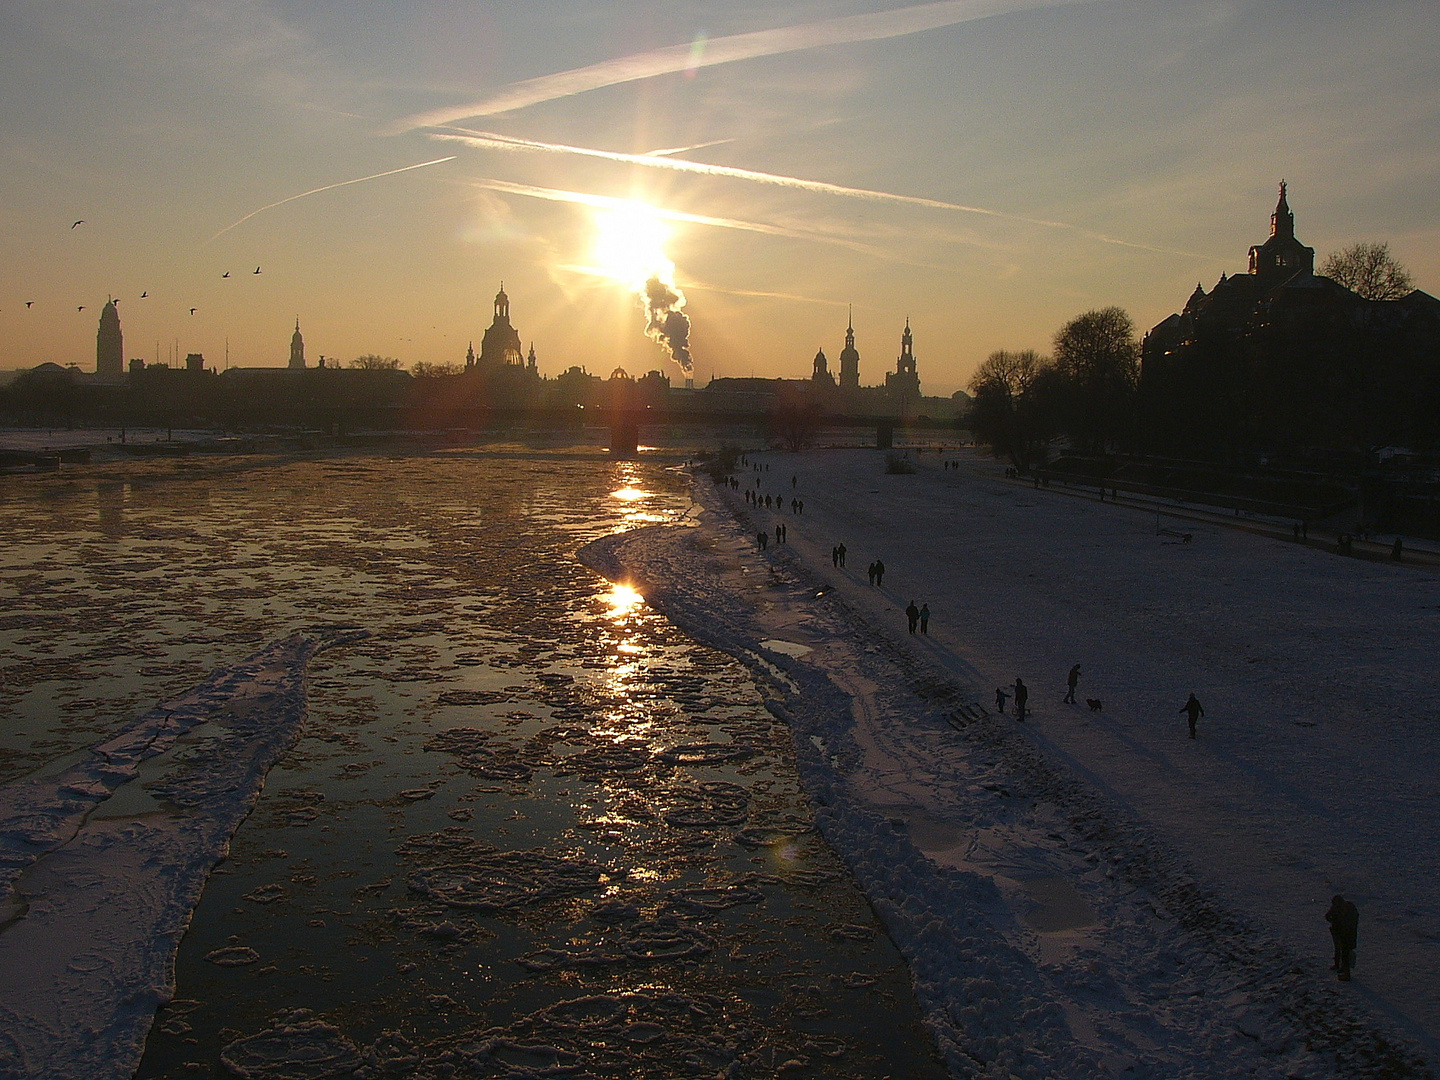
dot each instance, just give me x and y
(847, 30)
(608, 202)
(327, 187)
(490, 141)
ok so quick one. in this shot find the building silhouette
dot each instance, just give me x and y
(849, 358)
(821, 376)
(500, 346)
(297, 349)
(903, 385)
(1284, 357)
(109, 344)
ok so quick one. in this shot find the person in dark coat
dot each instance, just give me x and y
(841, 549)
(879, 570)
(1022, 695)
(1193, 711)
(913, 614)
(869, 571)
(924, 618)
(1072, 680)
(1344, 920)
(1000, 698)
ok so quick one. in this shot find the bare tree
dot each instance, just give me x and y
(423, 369)
(1369, 269)
(372, 362)
(1003, 413)
(1097, 355)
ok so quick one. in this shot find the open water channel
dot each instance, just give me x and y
(530, 827)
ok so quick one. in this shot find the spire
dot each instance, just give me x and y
(1282, 222)
(297, 348)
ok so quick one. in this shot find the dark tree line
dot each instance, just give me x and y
(1084, 392)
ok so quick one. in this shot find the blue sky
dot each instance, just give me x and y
(1117, 152)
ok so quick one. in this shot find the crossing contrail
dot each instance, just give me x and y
(327, 187)
(490, 141)
(607, 202)
(850, 29)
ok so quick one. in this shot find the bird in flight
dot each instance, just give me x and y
(80, 308)
(29, 303)
(192, 311)
(257, 269)
(225, 274)
(143, 295)
(78, 224)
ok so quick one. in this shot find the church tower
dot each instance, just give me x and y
(849, 358)
(904, 384)
(109, 345)
(821, 376)
(297, 348)
(1282, 256)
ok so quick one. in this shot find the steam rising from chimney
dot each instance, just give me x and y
(666, 321)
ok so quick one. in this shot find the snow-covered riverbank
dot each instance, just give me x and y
(1093, 893)
(99, 874)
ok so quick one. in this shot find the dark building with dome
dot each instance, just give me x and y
(500, 347)
(1282, 357)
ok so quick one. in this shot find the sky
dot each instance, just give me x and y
(987, 169)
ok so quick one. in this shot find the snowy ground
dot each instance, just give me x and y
(1094, 894)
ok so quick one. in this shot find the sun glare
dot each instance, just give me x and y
(630, 244)
(623, 600)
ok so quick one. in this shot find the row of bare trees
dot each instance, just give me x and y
(1085, 390)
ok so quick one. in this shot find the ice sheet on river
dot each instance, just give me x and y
(99, 873)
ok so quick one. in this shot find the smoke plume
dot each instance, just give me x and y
(666, 322)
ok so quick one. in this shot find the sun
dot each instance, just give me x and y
(629, 244)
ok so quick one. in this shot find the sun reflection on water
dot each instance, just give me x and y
(630, 494)
(623, 600)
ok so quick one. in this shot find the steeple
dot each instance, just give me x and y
(502, 306)
(530, 360)
(297, 348)
(470, 355)
(849, 358)
(1282, 221)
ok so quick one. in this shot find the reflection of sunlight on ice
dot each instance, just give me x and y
(630, 494)
(623, 600)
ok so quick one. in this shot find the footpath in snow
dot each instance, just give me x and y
(1092, 893)
(103, 858)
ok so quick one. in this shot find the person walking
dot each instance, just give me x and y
(1072, 680)
(869, 572)
(1000, 698)
(1344, 920)
(1022, 695)
(925, 618)
(834, 556)
(841, 549)
(913, 614)
(879, 571)
(1193, 710)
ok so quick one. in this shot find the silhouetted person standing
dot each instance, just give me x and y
(869, 572)
(913, 614)
(1022, 695)
(835, 556)
(924, 618)
(1193, 710)
(1000, 698)
(1071, 681)
(841, 549)
(879, 570)
(1344, 920)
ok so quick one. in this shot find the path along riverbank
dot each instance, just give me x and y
(1093, 893)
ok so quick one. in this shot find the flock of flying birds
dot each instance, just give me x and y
(115, 300)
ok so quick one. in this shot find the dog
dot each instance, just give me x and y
(1095, 704)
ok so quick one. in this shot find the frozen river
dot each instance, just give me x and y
(527, 825)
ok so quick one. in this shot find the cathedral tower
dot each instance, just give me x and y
(109, 345)
(904, 384)
(1282, 256)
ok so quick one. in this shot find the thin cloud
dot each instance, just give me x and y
(848, 30)
(486, 140)
(327, 187)
(607, 202)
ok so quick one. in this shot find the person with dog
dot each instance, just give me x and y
(1344, 920)
(1193, 711)
(1072, 680)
